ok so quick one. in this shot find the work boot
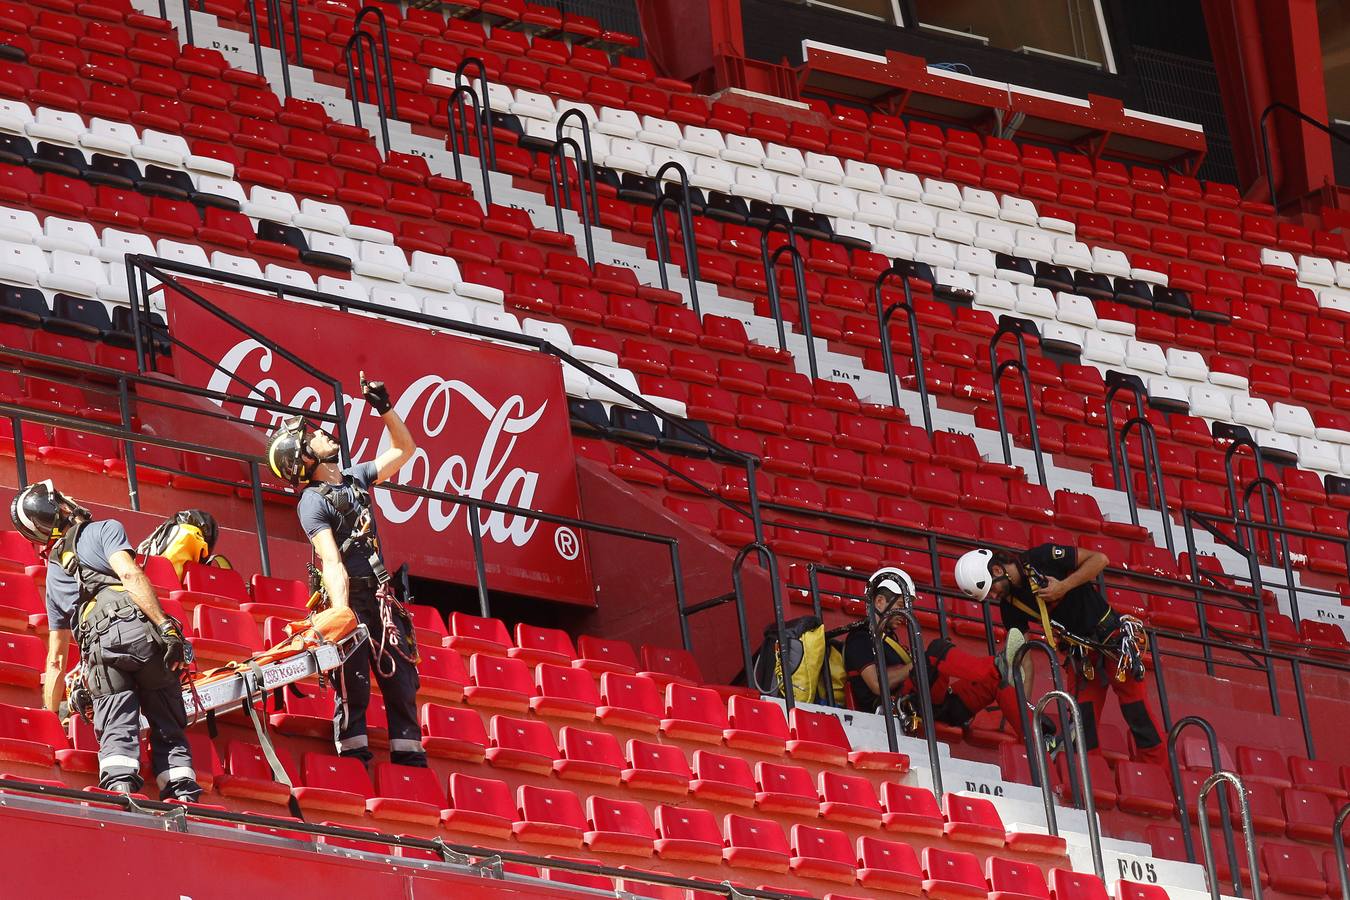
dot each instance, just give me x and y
(184, 789)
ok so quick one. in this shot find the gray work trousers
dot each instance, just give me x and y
(127, 677)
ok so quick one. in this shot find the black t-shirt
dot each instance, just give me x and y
(859, 653)
(1082, 611)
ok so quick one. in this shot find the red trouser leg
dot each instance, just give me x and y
(1091, 696)
(977, 684)
(1139, 718)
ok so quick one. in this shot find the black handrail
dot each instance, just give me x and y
(460, 100)
(1237, 442)
(1248, 836)
(1076, 747)
(1179, 795)
(487, 114)
(354, 53)
(915, 345)
(803, 304)
(386, 57)
(1018, 328)
(769, 560)
(588, 194)
(1270, 499)
(767, 263)
(1115, 383)
(684, 208)
(141, 266)
(447, 852)
(1153, 474)
(1265, 139)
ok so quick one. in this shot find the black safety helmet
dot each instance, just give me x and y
(288, 453)
(41, 513)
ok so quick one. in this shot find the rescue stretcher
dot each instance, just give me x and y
(315, 646)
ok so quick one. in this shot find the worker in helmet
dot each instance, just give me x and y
(132, 654)
(1054, 586)
(337, 513)
(960, 683)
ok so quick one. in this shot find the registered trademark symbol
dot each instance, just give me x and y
(566, 543)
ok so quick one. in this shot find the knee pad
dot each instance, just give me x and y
(1141, 725)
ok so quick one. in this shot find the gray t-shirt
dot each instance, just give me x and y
(98, 541)
(316, 514)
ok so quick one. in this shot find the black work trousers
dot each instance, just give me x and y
(399, 689)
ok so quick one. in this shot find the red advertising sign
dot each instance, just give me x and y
(490, 422)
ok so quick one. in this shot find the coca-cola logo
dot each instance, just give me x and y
(443, 414)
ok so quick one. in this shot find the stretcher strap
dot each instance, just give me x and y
(255, 694)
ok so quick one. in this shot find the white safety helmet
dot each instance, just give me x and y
(894, 580)
(972, 573)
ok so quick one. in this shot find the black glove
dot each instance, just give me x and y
(376, 394)
(175, 648)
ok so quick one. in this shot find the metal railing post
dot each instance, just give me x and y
(766, 260)
(684, 208)
(388, 59)
(486, 111)
(1084, 774)
(354, 53)
(915, 345)
(1153, 476)
(1249, 838)
(1338, 847)
(769, 560)
(1018, 328)
(803, 304)
(1179, 796)
(588, 201)
(879, 627)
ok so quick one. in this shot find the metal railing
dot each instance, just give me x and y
(1338, 847)
(561, 185)
(884, 315)
(180, 817)
(1018, 328)
(803, 304)
(1265, 139)
(1179, 795)
(462, 101)
(1077, 747)
(1117, 442)
(1248, 836)
(684, 209)
(769, 559)
(354, 53)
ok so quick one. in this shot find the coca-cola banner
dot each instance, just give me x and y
(490, 422)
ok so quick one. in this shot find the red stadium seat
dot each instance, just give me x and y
(911, 810)
(523, 744)
(755, 844)
(453, 732)
(564, 693)
(694, 714)
(952, 875)
(823, 853)
(592, 756)
(629, 701)
(849, 798)
(406, 794)
(479, 806)
(688, 833)
(474, 634)
(785, 789)
(499, 683)
(333, 784)
(722, 778)
(548, 816)
(755, 725)
(656, 768)
(619, 826)
(1015, 880)
(542, 645)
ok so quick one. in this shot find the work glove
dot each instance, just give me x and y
(376, 394)
(175, 648)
